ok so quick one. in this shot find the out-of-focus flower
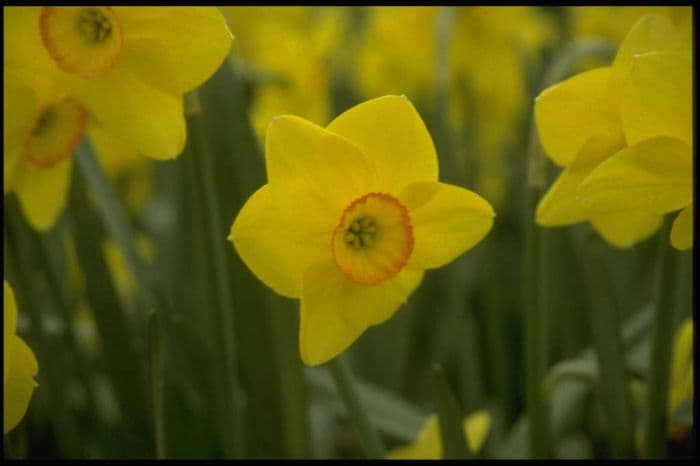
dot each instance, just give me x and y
(351, 217)
(495, 41)
(291, 47)
(122, 278)
(613, 23)
(681, 387)
(485, 42)
(654, 172)
(582, 122)
(19, 366)
(121, 71)
(428, 445)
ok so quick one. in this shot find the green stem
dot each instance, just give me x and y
(216, 239)
(345, 382)
(607, 339)
(661, 343)
(536, 297)
(157, 381)
(454, 442)
(292, 389)
(536, 339)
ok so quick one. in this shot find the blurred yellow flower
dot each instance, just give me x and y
(351, 217)
(428, 445)
(123, 280)
(117, 73)
(681, 387)
(485, 42)
(585, 120)
(613, 22)
(292, 47)
(654, 172)
(19, 366)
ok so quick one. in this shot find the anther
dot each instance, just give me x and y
(94, 25)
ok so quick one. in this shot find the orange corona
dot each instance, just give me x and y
(374, 239)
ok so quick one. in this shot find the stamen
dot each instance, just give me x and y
(361, 232)
(94, 25)
(374, 239)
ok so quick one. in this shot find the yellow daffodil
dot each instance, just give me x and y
(351, 217)
(428, 445)
(112, 72)
(19, 366)
(582, 123)
(654, 172)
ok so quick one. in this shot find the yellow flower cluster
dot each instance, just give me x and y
(116, 74)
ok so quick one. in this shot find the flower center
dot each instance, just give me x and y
(56, 132)
(373, 240)
(81, 40)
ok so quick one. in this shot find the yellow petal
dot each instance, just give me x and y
(19, 366)
(197, 37)
(23, 45)
(657, 97)
(627, 228)
(20, 105)
(570, 112)
(650, 33)
(335, 311)
(682, 229)
(43, 192)
(560, 206)
(682, 366)
(447, 221)
(392, 134)
(312, 172)
(19, 382)
(428, 445)
(116, 155)
(148, 118)
(477, 426)
(153, 63)
(653, 175)
(274, 249)
(9, 312)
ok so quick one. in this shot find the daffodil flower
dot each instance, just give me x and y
(19, 366)
(428, 445)
(115, 73)
(582, 123)
(654, 173)
(351, 217)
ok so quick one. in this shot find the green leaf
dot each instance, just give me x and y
(388, 412)
(454, 443)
